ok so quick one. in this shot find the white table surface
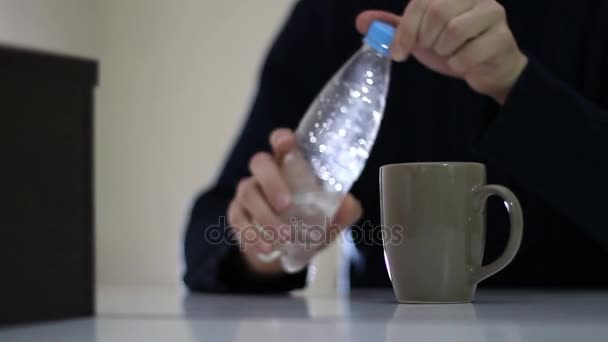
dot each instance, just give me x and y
(133, 314)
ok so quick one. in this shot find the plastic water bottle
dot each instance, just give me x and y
(334, 139)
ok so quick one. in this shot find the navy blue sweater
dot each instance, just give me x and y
(548, 143)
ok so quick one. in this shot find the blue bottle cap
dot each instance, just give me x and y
(380, 37)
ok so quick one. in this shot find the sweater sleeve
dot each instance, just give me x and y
(554, 142)
(292, 74)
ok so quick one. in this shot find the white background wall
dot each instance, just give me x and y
(68, 26)
(176, 79)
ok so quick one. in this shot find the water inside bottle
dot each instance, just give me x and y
(340, 128)
(310, 220)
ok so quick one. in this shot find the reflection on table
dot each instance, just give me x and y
(160, 315)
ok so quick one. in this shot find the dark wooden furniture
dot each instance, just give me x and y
(46, 182)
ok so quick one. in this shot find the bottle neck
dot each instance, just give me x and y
(371, 45)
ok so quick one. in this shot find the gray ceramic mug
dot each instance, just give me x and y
(433, 222)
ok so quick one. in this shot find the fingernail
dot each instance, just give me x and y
(282, 201)
(264, 248)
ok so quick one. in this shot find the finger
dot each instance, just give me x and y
(365, 19)
(252, 200)
(236, 216)
(407, 32)
(436, 17)
(266, 172)
(481, 49)
(468, 26)
(282, 140)
(245, 231)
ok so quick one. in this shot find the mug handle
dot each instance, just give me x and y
(516, 232)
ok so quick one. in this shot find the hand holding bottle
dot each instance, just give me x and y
(262, 200)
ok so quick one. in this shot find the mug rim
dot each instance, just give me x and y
(432, 164)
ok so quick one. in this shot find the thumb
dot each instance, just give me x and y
(365, 19)
(349, 212)
(282, 140)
